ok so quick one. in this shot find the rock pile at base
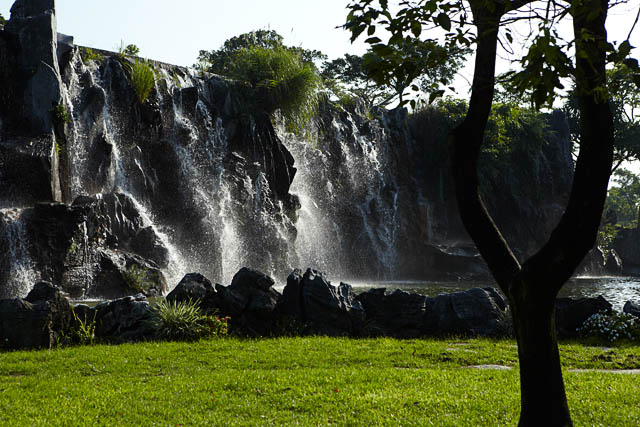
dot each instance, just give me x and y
(309, 304)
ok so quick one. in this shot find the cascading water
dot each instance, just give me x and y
(18, 272)
(349, 201)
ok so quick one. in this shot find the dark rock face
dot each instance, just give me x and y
(473, 312)
(196, 287)
(323, 308)
(627, 246)
(251, 301)
(124, 319)
(571, 313)
(98, 247)
(33, 23)
(632, 308)
(398, 313)
(38, 321)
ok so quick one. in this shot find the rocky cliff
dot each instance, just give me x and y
(99, 188)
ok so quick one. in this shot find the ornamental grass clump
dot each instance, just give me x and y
(611, 327)
(183, 321)
(277, 79)
(142, 78)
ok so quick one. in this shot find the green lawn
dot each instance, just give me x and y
(308, 381)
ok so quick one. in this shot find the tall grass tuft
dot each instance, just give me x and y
(278, 79)
(142, 78)
(183, 321)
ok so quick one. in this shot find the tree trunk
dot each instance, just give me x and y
(543, 400)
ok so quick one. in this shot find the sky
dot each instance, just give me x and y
(174, 32)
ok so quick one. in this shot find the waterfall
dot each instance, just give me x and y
(347, 223)
(17, 267)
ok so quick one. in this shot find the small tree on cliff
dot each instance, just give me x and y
(531, 286)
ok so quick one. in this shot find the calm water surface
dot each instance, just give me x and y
(616, 290)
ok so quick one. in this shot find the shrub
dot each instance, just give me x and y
(88, 54)
(277, 79)
(142, 78)
(60, 114)
(611, 327)
(183, 321)
(136, 278)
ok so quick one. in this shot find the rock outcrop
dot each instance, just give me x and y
(319, 306)
(40, 320)
(571, 313)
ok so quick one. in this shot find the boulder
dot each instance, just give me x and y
(632, 308)
(116, 274)
(250, 301)
(476, 312)
(124, 319)
(323, 308)
(41, 320)
(398, 313)
(196, 287)
(571, 313)
(456, 262)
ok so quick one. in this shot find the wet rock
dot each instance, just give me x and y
(40, 320)
(456, 262)
(124, 319)
(627, 246)
(195, 287)
(323, 308)
(571, 313)
(250, 301)
(632, 308)
(119, 273)
(397, 313)
(477, 312)
(593, 263)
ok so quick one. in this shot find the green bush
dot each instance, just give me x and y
(84, 333)
(136, 278)
(142, 78)
(277, 79)
(611, 327)
(88, 54)
(183, 321)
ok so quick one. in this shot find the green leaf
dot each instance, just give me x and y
(371, 30)
(632, 63)
(444, 21)
(373, 40)
(509, 37)
(416, 28)
(435, 95)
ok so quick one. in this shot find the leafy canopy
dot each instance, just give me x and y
(546, 64)
(624, 103)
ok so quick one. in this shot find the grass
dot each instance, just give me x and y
(142, 78)
(309, 381)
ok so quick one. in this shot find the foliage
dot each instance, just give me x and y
(60, 113)
(88, 54)
(84, 332)
(131, 50)
(3, 21)
(136, 278)
(611, 327)
(306, 381)
(268, 75)
(625, 107)
(276, 79)
(183, 321)
(221, 61)
(623, 200)
(347, 78)
(142, 78)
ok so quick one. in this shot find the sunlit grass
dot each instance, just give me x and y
(310, 381)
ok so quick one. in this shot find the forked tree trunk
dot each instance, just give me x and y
(543, 401)
(532, 287)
